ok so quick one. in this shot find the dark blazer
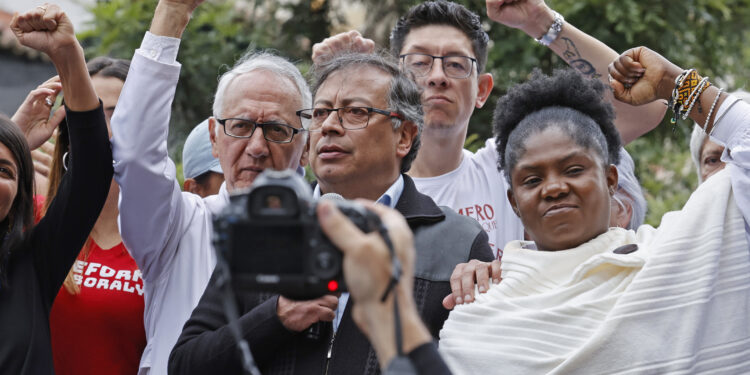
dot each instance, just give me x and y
(442, 238)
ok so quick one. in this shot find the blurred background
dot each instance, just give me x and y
(710, 35)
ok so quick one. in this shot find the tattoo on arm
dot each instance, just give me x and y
(574, 59)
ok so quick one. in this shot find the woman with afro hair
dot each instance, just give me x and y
(582, 297)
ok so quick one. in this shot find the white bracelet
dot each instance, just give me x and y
(554, 30)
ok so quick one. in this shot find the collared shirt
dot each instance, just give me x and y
(389, 198)
(167, 232)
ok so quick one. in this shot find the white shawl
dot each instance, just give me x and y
(679, 304)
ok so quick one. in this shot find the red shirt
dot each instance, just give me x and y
(100, 330)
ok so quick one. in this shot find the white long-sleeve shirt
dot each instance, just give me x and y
(168, 232)
(678, 304)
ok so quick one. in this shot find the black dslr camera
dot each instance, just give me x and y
(271, 240)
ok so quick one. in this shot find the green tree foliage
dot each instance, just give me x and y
(219, 33)
(709, 35)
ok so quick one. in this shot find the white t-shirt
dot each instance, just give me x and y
(478, 190)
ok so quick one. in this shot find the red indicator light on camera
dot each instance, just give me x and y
(333, 285)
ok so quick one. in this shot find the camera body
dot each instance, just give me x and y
(272, 242)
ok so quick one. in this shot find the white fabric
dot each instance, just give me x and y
(680, 304)
(478, 190)
(389, 198)
(167, 232)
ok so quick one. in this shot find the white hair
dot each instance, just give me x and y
(262, 60)
(632, 193)
(699, 136)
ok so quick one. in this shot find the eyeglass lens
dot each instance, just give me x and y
(349, 117)
(271, 131)
(453, 66)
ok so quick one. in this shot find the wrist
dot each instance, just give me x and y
(540, 23)
(64, 55)
(667, 83)
(170, 19)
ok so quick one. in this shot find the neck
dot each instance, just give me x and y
(106, 233)
(438, 155)
(371, 190)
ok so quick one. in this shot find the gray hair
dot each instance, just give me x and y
(629, 190)
(262, 60)
(698, 137)
(404, 96)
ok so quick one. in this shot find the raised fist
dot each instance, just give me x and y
(518, 14)
(640, 76)
(45, 28)
(351, 41)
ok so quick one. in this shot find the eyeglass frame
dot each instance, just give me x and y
(402, 57)
(370, 111)
(222, 122)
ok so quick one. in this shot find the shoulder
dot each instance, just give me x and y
(443, 245)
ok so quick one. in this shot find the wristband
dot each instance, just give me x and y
(554, 30)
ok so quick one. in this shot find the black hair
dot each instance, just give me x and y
(566, 100)
(404, 96)
(102, 66)
(108, 67)
(443, 13)
(17, 224)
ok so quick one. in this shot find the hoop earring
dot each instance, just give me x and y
(65, 161)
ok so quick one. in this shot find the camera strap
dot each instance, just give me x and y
(223, 282)
(395, 277)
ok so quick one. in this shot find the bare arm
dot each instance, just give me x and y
(581, 51)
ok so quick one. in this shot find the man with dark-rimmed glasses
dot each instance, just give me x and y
(169, 232)
(364, 132)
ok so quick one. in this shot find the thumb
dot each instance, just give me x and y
(339, 229)
(618, 89)
(449, 302)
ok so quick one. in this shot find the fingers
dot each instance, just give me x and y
(456, 281)
(57, 117)
(468, 281)
(449, 302)
(41, 18)
(47, 147)
(351, 41)
(483, 277)
(42, 158)
(41, 168)
(398, 229)
(329, 301)
(495, 271)
(339, 229)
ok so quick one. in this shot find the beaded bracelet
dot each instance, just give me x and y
(693, 98)
(711, 111)
(675, 101)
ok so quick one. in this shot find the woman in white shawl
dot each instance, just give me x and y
(583, 297)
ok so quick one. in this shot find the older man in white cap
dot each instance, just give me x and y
(202, 171)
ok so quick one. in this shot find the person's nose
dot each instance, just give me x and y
(555, 188)
(256, 145)
(436, 76)
(332, 124)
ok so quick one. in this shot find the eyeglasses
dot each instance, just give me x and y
(420, 64)
(350, 118)
(272, 131)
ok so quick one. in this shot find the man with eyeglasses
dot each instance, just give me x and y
(168, 232)
(364, 125)
(445, 46)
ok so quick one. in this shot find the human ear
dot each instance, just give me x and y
(305, 157)
(484, 89)
(407, 133)
(190, 185)
(212, 136)
(513, 203)
(612, 179)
